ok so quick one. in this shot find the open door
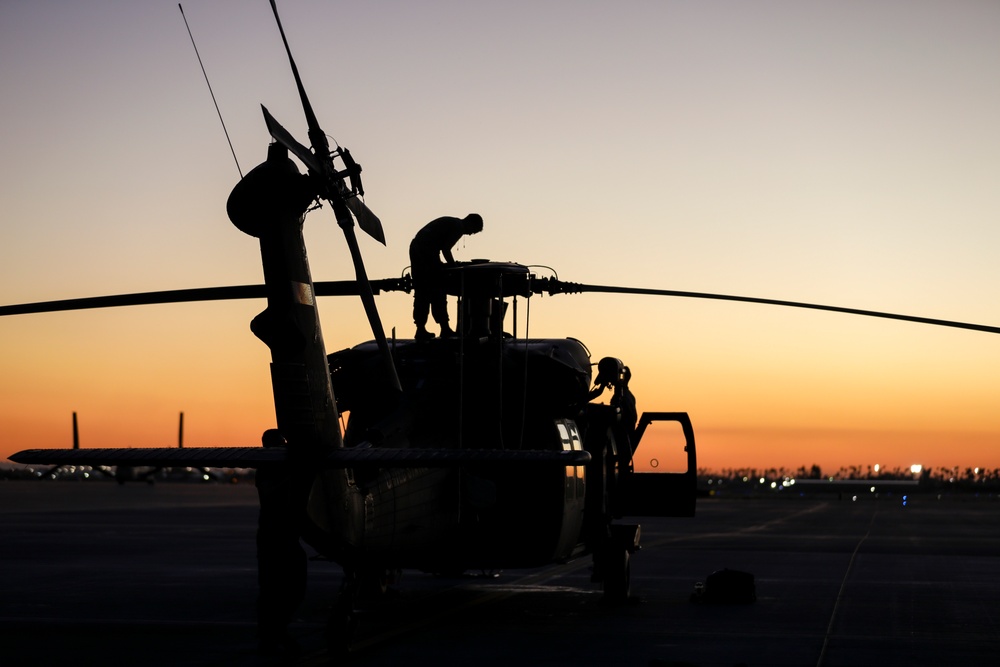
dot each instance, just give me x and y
(662, 479)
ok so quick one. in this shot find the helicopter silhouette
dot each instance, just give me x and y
(485, 451)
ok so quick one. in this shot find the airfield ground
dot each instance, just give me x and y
(96, 573)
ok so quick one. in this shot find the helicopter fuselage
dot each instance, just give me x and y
(505, 394)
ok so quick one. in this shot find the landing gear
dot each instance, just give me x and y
(341, 628)
(617, 574)
(361, 588)
(616, 568)
(342, 622)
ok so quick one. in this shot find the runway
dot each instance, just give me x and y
(94, 572)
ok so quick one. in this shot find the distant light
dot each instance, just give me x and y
(976, 471)
(872, 489)
(877, 466)
(762, 480)
(916, 468)
(745, 479)
(774, 485)
(854, 498)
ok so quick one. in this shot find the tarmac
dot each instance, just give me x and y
(92, 572)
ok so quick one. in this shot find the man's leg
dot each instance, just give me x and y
(439, 309)
(421, 307)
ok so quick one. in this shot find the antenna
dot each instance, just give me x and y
(211, 92)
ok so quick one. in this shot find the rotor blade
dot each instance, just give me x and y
(209, 457)
(254, 457)
(366, 293)
(320, 164)
(229, 293)
(325, 171)
(557, 287)
(285, 138)
(316, 134)
(367, 221)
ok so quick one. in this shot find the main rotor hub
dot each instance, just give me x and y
(485, 279)
(482, 286)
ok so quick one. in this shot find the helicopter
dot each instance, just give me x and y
(478, 452)
(482, 451)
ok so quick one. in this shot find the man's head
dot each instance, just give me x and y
(472, 223)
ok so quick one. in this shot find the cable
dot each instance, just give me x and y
(211, 92)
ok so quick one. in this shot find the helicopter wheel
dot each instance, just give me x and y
(375, 583)
(617, 573)
(342, 622)
(341, 628)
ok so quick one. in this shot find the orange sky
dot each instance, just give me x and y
(840, 154)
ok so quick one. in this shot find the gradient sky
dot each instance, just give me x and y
(845, 153)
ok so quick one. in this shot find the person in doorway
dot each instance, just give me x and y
(434, 240)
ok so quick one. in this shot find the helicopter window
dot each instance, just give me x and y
(662, 449)
(569, 435)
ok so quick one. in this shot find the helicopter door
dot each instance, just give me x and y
(662, 481)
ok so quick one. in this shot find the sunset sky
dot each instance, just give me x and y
(845, 153)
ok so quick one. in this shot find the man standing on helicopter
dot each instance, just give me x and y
(435, 239)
